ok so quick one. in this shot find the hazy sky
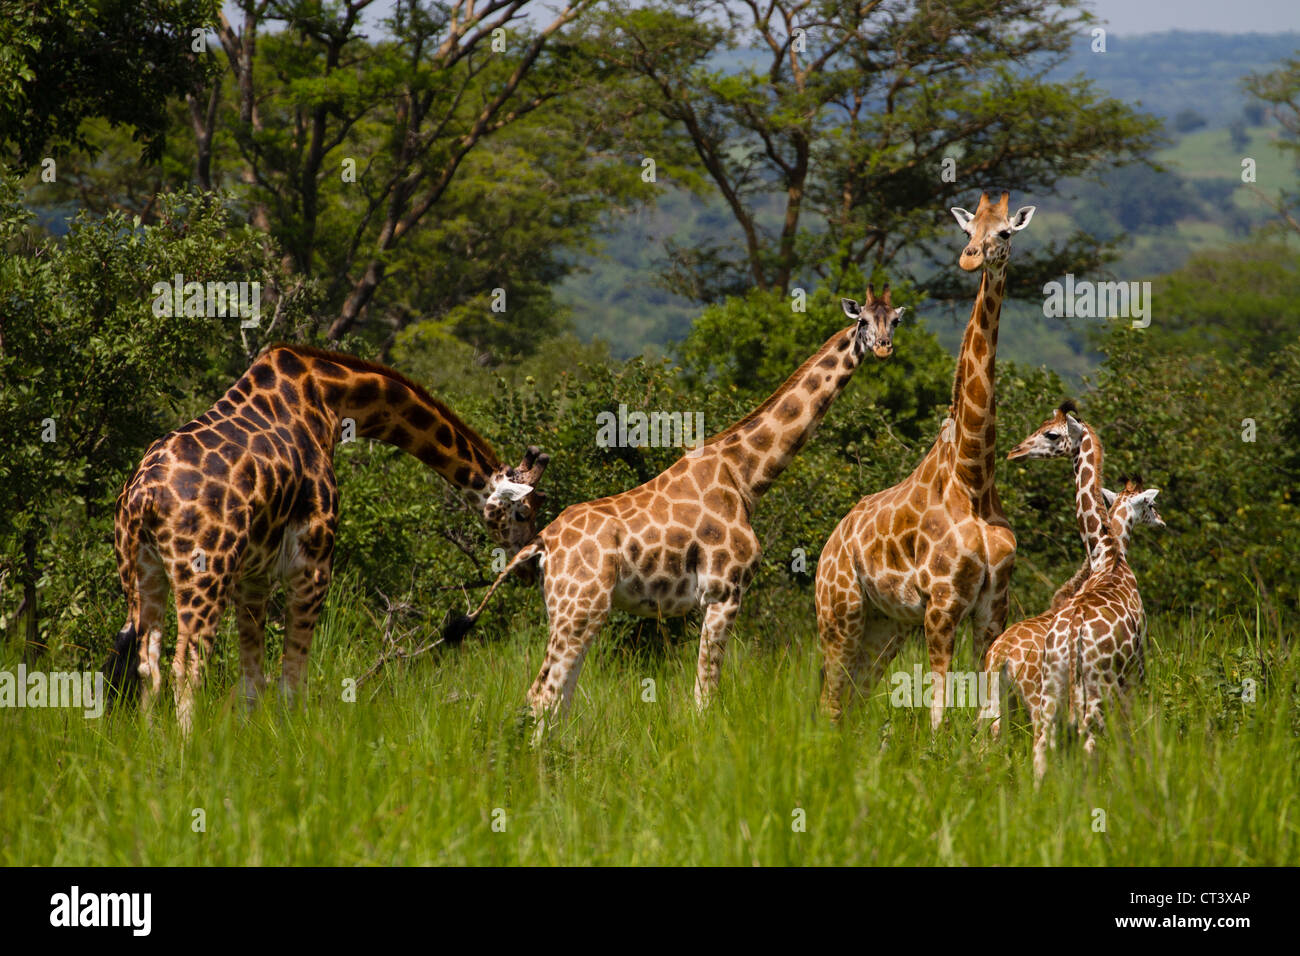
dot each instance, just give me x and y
(1121, 16)
(1238, 16)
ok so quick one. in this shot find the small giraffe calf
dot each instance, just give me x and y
(1016, 657)
(1095, 642)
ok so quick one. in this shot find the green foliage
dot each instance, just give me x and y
(89, 375)
(835, 156)
(63, 62)
(413, 770)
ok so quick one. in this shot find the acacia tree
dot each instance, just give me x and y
(406, 110)
(824, 125)
(65, 61)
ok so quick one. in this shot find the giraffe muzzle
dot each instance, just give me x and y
(883, 351)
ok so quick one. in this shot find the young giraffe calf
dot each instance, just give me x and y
(245, 496)
(1095, 642)
(1016, 657)
(683, 540)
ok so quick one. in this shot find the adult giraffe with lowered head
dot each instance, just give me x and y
(936, 547)
(683, 539)
(245, 496)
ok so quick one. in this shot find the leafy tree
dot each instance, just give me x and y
(824, 125)
(1280, 90)
(90, 374)
(63, 62)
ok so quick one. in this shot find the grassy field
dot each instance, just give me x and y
(433, 753)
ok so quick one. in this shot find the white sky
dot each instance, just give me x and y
(1237, 16)
(1121, 16)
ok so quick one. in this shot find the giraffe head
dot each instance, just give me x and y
(1057, 437)
(990, 230)
(510, 508)
(1134, 505)
(877, 319)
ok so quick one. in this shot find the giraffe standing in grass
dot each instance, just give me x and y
(1095, 642)
(936, 547)
(244, 497)
(683, 540)
(1016, 657)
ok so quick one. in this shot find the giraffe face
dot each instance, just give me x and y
(1134, 505)
(990, 230)
(510, 508)
(1058, 437)
(876, 319)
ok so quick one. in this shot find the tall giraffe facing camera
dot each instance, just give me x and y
(936, 547)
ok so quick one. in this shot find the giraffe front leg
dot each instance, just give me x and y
(307, 585)
(306, 598)
(989, 613)
(718, 618)
(1055, 689)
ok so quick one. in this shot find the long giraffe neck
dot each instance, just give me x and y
(388, 407)
(974, 405)
(1104, 549)
(762, 444)
(1121, 523)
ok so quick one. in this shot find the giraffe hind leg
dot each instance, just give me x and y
(574, 626)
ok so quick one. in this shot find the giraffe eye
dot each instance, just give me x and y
(1052, 436)
(1005, 234)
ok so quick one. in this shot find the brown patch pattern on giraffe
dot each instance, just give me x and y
(683, 540)
(1094, 648)
(1015, 659)
(936, 547)
(245, 496)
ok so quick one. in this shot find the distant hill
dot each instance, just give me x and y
(1179, 71)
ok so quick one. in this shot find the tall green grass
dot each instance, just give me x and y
(419, 768)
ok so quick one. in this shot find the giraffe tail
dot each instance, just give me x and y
(460, 625)
(120, 670)
(122, 678)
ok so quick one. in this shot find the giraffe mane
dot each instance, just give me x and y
(357, 364)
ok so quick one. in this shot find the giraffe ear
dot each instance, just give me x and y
(510, 491)
(851, 308)
(1022, 217)
(1150, 495)
(963, 217)
(1109, 497)
(898, 313)
(1075, 427)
